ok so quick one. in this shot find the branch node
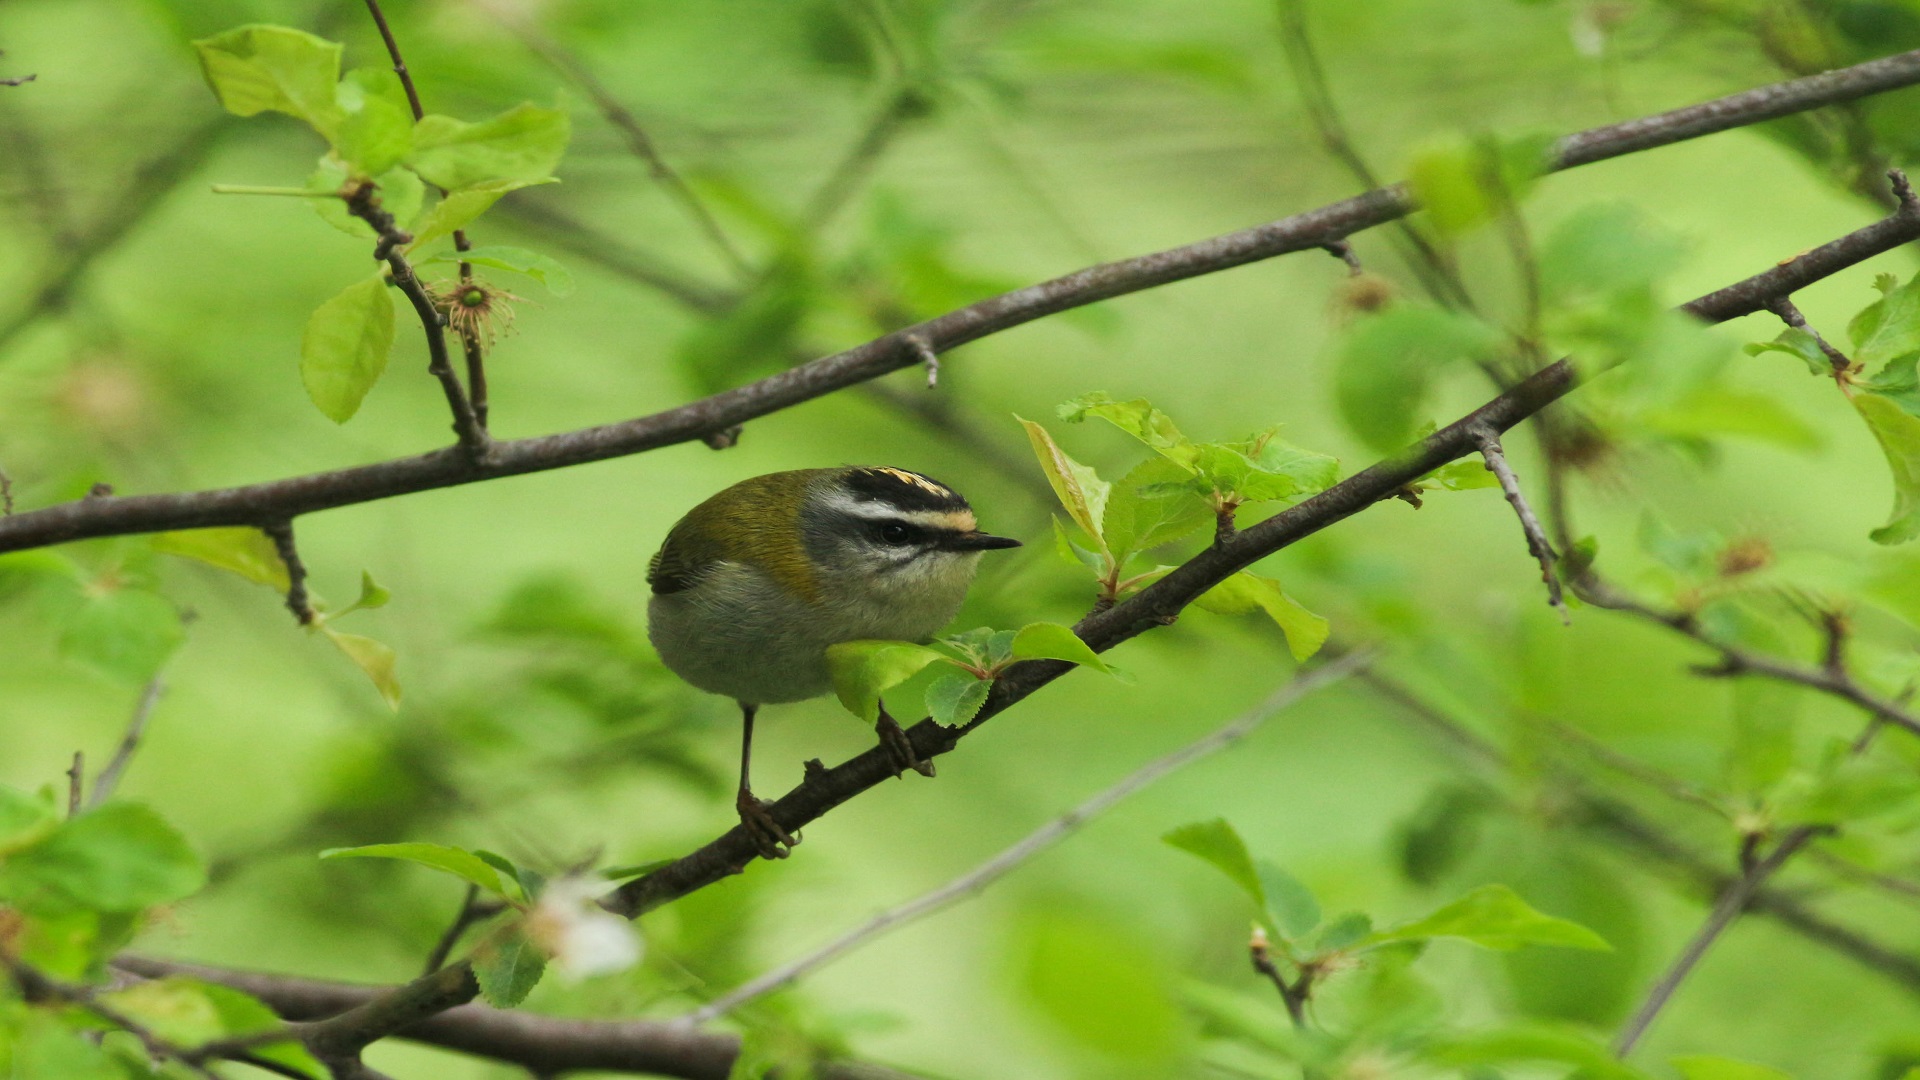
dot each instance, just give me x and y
(924, 351)
(1903, 190)
(724, 439)
(100, 491)
(281, 533)
(76, 774)
(1783, 307)
(1342, 250)
(813, 769)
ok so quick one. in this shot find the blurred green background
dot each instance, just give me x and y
(1041, 136)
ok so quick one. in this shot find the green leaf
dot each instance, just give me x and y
(1898, 433)
(372, 595)
(24, 818)
(122, 631)
(345, 347)
(376, 123)
(459, 208)
(120, 857)
(1898, 382)
(508, 967)
(1569, 1046)
(956, 698)
(1137, 418)
(1605, 250)
(1100, 988)
(376, 658)
(76, 944)
(187, 1013)
(518, 260)
(1052, 641)
(1461, 183)
(1890, 326)
(1064, 546)
(1796, 343)
(1218, 843)
(863, 670)
(1464, 475)
(255, 69)
(1291, 903)
(1344, 932)
(1247, 591)
(1387, 361)
(459, 862)
(1154, 504)
(1495, 917)
(523, 143)
(1078, 487)
(241, 550)
(1704, 1067)
(1442, 832)
(43, 1048)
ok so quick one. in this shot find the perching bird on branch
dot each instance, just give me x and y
(753, 585)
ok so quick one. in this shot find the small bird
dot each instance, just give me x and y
(753, 585)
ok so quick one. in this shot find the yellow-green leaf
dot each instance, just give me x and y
(1898, 433)
(1247, 591)
(345, 349)
(1078, 487)
(863, 670)
(523, 143)
(1495, 917)
(373, 657)
(461, 207)
(255, 69)
(1052, 641)
(239, 550)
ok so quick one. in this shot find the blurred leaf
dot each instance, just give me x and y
(25, 818)
(759, 333)
(1442, 832)
(187, 1013)
(1218, 843)
(255, 69)
(956, 698)
(1604, 250)
(1343, 932)
(1386, 362)
(1721, 411)
(1079, 489)
(541, 268)
(1247, 591)
(1462, 183)
(373, 657)
(459, 862)
(1508, 1046)
(863, 670)
(1466, 474)
(1702, 1067)
(120, 857)
(1898, 433)
(459, 208)
(244, 551)
(1495, 917)
(1848, 788)
(344, 350)
(1292, 903)
(122, 631)
(1764, 721)
(76, 944)
(41, 1048)
(376, 123)
(524, 143)
(1052, 641)
(1100, 988)
(508, 967)
(1589, 987)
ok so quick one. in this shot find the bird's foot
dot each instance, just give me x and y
(900, 748)
(773, 841)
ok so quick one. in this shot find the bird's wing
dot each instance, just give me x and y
(674, 567)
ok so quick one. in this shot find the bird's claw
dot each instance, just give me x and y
(899, 748)
(773, 841)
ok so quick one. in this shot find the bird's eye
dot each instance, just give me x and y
(895, 533)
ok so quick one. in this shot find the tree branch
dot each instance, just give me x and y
(298, 602)
(109, 777)
(1537, 544)
(278, 500)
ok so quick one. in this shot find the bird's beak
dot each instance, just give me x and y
(978, 541)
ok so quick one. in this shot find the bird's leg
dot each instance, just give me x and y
(773, 841)
(899, 747)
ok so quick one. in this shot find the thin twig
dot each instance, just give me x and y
(1293, 994)
(36, 985)
(298, 602)
(630, 129)
(393, 52)
(363, 201)
(840, 185)
(109, 778)
(1731, 904)
(927, 356)
(1789, 314)
(1537, 543)
(977, 879)
(462, 919)
(76, 776)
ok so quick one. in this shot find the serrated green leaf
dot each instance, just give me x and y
(1495, 917)
(1704, 1067)
(1150, 506)
(524, 143)
(458, 209)
(1079, 489)
(1386, 362)
(863, 670)
(518, 260)
(1280, 471)
(1064, 546)
(461, 863)
(956, 698)
(376, 658)
(1137, 418)
(121, 857)
(122, 631)
(1247, 591)
(1289, 901)
(1344, 931)
(344, 350)
(375, 129)
(1898, 433)
(1219, 843)
(508, 967)
(1888, 327)
(243, 551)
(401, 193)
(1796, 343)
(1052, 641)
(255, 69)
